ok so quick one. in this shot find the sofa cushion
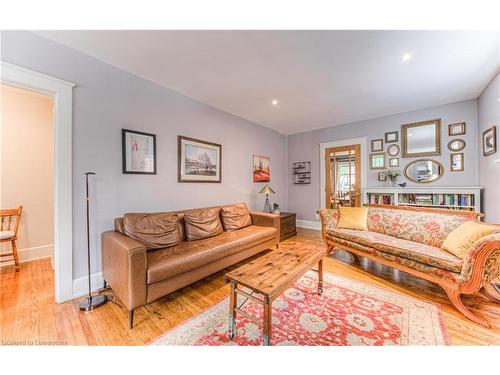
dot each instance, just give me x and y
(462, 238)
(188, 255)
(202, 223)
(416, 251)
(235, 217)
(153, 230)
(430, 228)
(353, 218)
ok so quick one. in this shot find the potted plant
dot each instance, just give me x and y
(392, 174)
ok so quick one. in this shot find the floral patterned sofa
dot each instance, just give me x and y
(410, 239)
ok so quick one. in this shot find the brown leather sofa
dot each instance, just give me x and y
(148, 256)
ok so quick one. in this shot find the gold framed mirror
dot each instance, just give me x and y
(424, 171)
(421, 138)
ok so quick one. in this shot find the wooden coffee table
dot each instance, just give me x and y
(269, 276)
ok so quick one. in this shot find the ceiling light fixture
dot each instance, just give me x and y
(406, 57)
(274, 102)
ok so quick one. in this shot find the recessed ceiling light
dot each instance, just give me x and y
(406, 57)
(274, 102)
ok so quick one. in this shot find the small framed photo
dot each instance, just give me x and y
(456, 129)
(198, 161)
(393, 162)
(377, 145)
(490, 141)
(377, 160)
(381, 176)
(457, 162)
(138, 152)
(391, 137)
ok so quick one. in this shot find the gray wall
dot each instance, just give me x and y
(106, 100)
(305, 199)
(489, 173)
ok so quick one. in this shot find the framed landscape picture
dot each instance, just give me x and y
(198, 161)
(261, 168)
(138, 152)
(490, 141)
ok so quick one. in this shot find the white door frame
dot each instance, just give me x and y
(344, 142)
(62, 93)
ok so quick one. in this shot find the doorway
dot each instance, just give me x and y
(343, 176)
(27, 175)
(61, 92)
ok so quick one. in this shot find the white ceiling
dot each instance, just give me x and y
(320, 78)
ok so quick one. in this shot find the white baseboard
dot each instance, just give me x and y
(81, 285)
(31, 253)
(308, 224)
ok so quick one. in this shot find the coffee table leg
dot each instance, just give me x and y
(320, 277)
(267, 322)
(232, 312)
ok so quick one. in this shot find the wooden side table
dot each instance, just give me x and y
(287, 225)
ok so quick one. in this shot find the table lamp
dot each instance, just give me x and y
(267, 190)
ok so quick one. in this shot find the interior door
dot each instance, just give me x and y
(343, 176)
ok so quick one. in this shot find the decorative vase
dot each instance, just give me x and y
(394, 182)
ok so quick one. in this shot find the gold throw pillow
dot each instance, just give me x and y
(461, 239)
(353, 218)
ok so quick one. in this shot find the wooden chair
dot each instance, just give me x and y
(8, 232)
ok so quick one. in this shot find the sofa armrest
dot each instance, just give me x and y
(124, 267)
(329, 219)
(264, 219)
(482, 263)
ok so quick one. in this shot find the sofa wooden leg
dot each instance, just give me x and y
(455, 298)
(131, 319)
(491, 293)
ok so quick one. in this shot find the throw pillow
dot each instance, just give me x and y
(202, 223)
(153, 230)
(353, 218)
(461, 239)
(235, 217)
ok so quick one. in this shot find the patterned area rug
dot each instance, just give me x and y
(348, 313)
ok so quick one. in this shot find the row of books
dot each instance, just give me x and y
(380, 198)
(438, 199)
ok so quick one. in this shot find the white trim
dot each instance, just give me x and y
(31, 253)
(62, 92)
(81, 285)
(344, 142)
(308, 224)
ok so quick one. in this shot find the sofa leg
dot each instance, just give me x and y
(490, 292)
(277, 246)
(105, 285)
(455, 298)
(131, 319)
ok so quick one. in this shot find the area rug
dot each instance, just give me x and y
(348, 313)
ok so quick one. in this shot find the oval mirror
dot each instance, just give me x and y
(424, 170)
(393, 150)
(456, 145)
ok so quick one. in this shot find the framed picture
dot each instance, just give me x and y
(138, 152)
(377, 145)
(391, 137)
(393, 150)
(377, 160)
(393, 162)
(261, 168)
(457, 162)
(490, 141)
(456, 129)
(381, 176)
(198, 161)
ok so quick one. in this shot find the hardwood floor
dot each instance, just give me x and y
(28, 313)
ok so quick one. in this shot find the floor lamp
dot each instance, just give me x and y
(90, 302)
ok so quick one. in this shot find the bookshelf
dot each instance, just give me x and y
(457, 198)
